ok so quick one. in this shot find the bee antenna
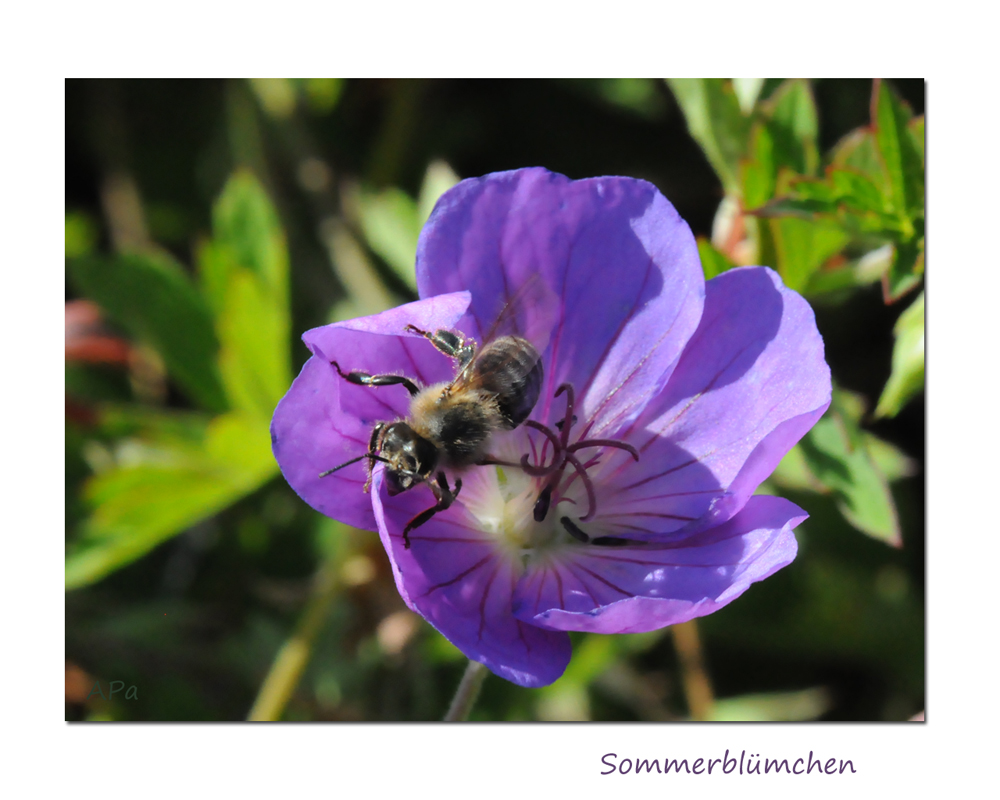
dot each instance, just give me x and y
(372, 456)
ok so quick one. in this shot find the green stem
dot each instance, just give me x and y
(291, 661)
(468, 691)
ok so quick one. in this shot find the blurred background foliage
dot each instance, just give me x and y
(209, 223)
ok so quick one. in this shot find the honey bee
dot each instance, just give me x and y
(450, 424)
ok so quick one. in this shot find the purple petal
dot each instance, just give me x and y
(454, 577)
(324, 421)
(636, 589)
(621, 263)
(751, 382)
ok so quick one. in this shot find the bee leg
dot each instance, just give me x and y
(445, 497)
(364, 379)
(450, 343)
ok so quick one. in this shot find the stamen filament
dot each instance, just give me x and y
(563, 455)
(588, 485)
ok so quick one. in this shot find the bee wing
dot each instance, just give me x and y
(510, 369)
(529, 313)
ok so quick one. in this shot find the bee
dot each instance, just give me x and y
(450, 424)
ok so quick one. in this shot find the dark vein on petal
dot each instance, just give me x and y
(541, 584)
(605, 581)
(607, 350)
(653, 477)
(460, 575)
(588, 427)
(583, 583)
(448, 539)
(482, 603)
(657, 514)
(520, 633)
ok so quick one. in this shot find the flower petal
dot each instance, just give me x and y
(751, 382)
(622, 264)
(636, 589)
(324, 421)
(453, 576)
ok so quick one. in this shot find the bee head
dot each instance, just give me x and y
(410, 458)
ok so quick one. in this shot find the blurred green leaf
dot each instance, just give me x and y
(716, 122)
(837, 454)
(905, 269)
(713, 262)
(275, 95)
(747, 91)
(890, 460)
(244, 274)
(916, 130)
(794, 126)
(157, 425)
(323, 94)
(245, 223)
(254, 358)
(858, 151)
(793, 472)
(799, 706)
(758, 172)
(81, 234)
(638, 95)
(139, 506)
(438, 179)
(151, 297)
(902, 161)
(802, 246)
(907, 377)
(391, 224)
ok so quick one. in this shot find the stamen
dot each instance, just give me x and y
(601, 541)
(563, 455)
(573, 530)
(570, 401)
(604, 443)
(542, 504)
(538, 471)
(588, 485)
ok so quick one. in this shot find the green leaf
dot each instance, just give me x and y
(715, 122)
(794, 126)
(139, 505)
(713, 262)
(322, 94)
(153, 299)
(836, 451)
(81, 234)
(391, 224)
(899, 154)
(747, 91)
(916, 130)
(802, 246)
(438, 179)
(246, 225)
(905, 270)
(907, 376)
(254, 357)
(758, 173)
(856, 190)
(858, 151)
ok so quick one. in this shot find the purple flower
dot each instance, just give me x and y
(708, 384)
